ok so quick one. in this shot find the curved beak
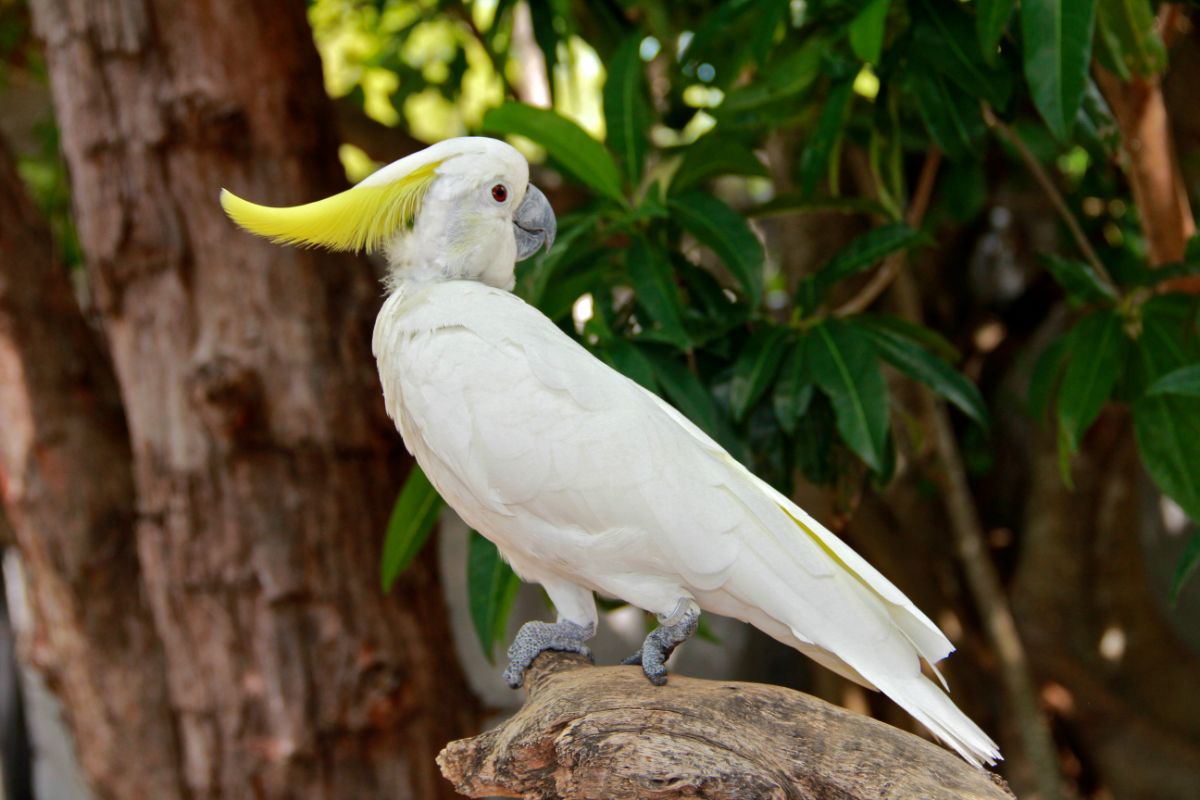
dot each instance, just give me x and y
(534, 223)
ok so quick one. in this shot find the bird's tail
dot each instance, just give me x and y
(930, 706)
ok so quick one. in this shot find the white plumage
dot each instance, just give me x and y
(587, 482)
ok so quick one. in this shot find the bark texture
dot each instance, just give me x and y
(67, 486)
(607, 734)
(263, 464)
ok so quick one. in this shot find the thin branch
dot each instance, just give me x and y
(983, 581)
(1056, 198)
(895, 262)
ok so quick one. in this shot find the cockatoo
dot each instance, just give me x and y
(585, 481)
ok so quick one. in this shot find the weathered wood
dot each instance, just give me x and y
(605, 733)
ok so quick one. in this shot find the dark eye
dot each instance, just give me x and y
(499, 193)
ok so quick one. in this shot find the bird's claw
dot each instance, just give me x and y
(535, 638)
(659, 643)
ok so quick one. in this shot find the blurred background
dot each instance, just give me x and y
(927, 266)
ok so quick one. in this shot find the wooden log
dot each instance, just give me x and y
(605, 733)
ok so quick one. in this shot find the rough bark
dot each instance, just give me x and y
(67, 486)
(263, 463)
(1136, 711)
(608, 734)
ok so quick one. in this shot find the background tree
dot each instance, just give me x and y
(926, 264)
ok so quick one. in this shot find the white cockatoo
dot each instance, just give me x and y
(585, 481)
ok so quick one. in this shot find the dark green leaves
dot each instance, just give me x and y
(1080, 281)
(794, 390)
(412, 519)
(944, 38)
(950, 115)
(1188, 563)
(844, 365)
(1127, 40)
(756, 368)
(919, 364)
(491, 588)
(1096, 360)
(867, 250)
(1184, 382)
(867, 29)
(991, 18)
(1058, 46)
(726, 233)
(569, 145)
(1167, 425)
(712, 156)
(656, 291)
(816, 160)
(626, 110)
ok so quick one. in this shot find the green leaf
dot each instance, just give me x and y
(711, 156)
(628, 359)
(951, 116)
(413, 517)
(1189, 561)
(784, 79)
(1167, 429)
(794, 389)
(795, 203)
(726, 233)
(1167, 426)
(844, 364)
(654, 283)
(1080, 281)
(991, 18)
(815, 161)
(928, 338)
(756, 367)
(1095, 362)
(865, 251)
(1184, 381)
(1058, 47)
(580, 156)
(1127, 40)
(919, 364)
(491, 588)
(942, 38)
(1043, 379)
(626, 110)
(867, 29)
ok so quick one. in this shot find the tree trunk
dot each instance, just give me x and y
(263, 463)
(67, 485)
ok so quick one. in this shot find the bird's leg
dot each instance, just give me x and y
(672, 631)
(536, 637)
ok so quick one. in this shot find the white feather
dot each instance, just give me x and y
(587, 482)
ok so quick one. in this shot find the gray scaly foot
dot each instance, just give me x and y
(537, 637)
(659, 644)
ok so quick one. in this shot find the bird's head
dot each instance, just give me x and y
(462, 208)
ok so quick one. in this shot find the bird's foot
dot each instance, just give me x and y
(659, 643)
(534, 638)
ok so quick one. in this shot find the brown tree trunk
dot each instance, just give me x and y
(67, 485)
(263, 464)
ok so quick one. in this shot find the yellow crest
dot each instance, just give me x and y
(363, 217)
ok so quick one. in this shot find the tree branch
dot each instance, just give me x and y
(1052, 193)
(1149, 159)
(895, 262)
(605, 732)
(983, 582)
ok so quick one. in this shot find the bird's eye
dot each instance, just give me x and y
(499, 193)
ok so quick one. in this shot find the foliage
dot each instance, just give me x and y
(661, 270)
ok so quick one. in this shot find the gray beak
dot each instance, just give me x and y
(534, 223)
